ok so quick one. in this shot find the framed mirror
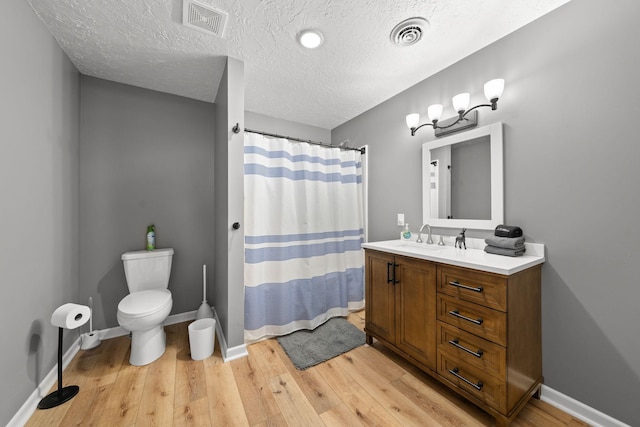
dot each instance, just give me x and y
(462, 180)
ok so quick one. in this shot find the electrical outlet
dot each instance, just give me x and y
(400, 220)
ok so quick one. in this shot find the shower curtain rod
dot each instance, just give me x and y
(275, 135)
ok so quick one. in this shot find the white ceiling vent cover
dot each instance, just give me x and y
(204, 18)
(409, 32)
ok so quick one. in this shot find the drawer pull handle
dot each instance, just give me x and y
(468, 319)
(477, 386)
(455, 343)
(469, 288)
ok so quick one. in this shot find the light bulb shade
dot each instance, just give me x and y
(461, 102)
(434, 111)
(413, 120)
(493, 89)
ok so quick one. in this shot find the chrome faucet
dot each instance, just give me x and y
(429, 239)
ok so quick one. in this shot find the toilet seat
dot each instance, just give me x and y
(144, 303)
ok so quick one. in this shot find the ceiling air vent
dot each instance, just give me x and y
(409, 31)
(204, 18)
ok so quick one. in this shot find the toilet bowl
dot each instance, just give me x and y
(142, 313)
(144, 310)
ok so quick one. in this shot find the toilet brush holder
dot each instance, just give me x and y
(204, 311)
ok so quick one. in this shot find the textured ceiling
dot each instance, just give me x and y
(143, 43)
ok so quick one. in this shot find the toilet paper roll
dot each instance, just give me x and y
(70, 316)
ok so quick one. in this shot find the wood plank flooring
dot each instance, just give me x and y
(367, 386)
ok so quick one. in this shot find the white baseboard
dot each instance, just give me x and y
(27, 409)
(119, 331)
(228, 354)
(578, 409)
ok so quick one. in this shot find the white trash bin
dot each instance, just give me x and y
(202, 338)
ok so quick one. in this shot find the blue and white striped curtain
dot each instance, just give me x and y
(303, 234)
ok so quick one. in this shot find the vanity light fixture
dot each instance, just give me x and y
(492, 91)
(310, 38)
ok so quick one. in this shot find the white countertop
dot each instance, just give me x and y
(474, 257)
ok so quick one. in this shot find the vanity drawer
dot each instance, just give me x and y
(489, 389)
(475, 286)
(482, 354)
(476, 319)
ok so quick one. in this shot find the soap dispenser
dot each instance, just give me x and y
(406, 233)
(151, 237)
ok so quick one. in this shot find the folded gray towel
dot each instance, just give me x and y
(503, 251)
(505, 242)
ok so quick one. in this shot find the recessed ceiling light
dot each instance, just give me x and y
(310, 39)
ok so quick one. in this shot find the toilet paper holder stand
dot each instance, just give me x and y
(62, 394)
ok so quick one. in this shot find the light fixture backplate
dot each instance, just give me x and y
(469, 121)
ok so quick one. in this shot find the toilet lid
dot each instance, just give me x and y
(144, 302)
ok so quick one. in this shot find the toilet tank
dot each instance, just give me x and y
(147, 269)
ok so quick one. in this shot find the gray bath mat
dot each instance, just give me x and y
(332, 338)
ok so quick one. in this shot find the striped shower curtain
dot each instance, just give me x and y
(303, 231)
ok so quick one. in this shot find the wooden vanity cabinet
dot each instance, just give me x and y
(479, 333)
(401, 304)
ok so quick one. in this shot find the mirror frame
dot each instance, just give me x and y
(497, 179)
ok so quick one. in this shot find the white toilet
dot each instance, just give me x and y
(148, 304)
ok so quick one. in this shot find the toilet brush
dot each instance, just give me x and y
(90, 340)
(204, 311)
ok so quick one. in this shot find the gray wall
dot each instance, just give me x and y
(229, 204)
(221, 190)
(146, 158)
(571, 181)
(268, 124)
(39, 162)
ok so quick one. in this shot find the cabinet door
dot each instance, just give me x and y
(416, 309)
(379, 298)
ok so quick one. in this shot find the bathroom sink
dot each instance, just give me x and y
(411, 248)
(420, 246)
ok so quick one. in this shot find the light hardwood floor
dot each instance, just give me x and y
(366, 386)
